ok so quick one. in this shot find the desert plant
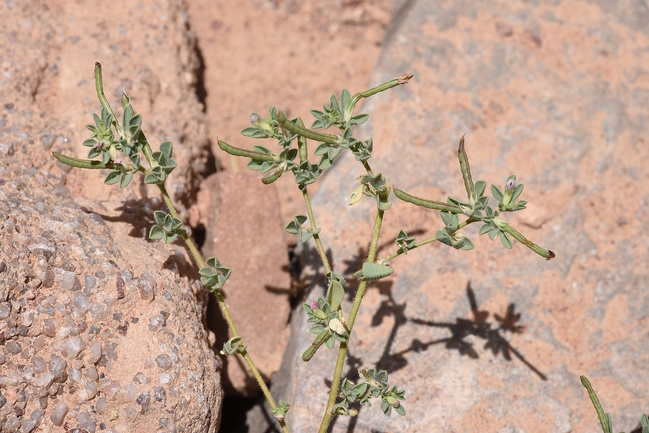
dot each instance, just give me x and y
(111, 140)
(605, 418)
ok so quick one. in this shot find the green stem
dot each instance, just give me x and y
(425, 241)
(316, 236)
(416, 245)
(367, 167)
(342, 351)
(305, 132)
(222, 306)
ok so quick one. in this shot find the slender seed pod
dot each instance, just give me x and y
(429, 204)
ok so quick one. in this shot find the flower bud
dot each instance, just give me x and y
(255, 118)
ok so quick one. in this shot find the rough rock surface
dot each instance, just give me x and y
(557, 93)
(100, 329)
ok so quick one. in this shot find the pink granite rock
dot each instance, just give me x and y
(495, 340)
(101, 329)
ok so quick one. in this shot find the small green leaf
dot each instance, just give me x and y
(498, 194)
(335, 294)
(112, 178)
(156, 233)
(359, 119)
(486, 228)
(373, 271)
(125, 179)
(451, 220)
(504, 239)
(480, 187)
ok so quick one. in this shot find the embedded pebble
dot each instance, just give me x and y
(47, 278)
(85, 422)
(13, 347)
(42, 381)
(157, 322)
(80, 304)
(109, 387)
(98, 311)
(28, 317)
(75, 374)
(144, 400)
(94, 354)
(39, 364)
(57, 366)
(66, 279)
(12, 423)
(37, 416)
(39, 343)
(146, 289)
(131, 391)
(46, 309)
(88, 392)
(129, 413)
(127, 275)
(159, 393)
(91, 373)
(28, 425)
(164, 379)
(58, 414)
(44, 249)
(90, 283)
(71, 348)
(50, 327)
(164, 361)
(141, 378)
(102, 405)
(5, 310)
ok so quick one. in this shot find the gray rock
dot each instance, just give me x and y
(494, 338)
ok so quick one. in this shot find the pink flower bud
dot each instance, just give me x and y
(255, 118)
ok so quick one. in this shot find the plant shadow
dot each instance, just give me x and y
(492, 332)
(139, 215)
(476, 325)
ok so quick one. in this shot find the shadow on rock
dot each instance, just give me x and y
(478, 326)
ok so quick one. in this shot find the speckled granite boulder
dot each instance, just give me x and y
(100, 329)
(493, 340)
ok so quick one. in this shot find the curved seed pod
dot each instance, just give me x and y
(466, 172)
(247, 153)
(430, 204)
(304, 132)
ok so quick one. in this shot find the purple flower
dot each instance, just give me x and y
(255, 118)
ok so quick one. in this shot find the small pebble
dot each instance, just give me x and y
(58, 413)
(71, 348)
(57, 366)
(164, 361)
(129, 413)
